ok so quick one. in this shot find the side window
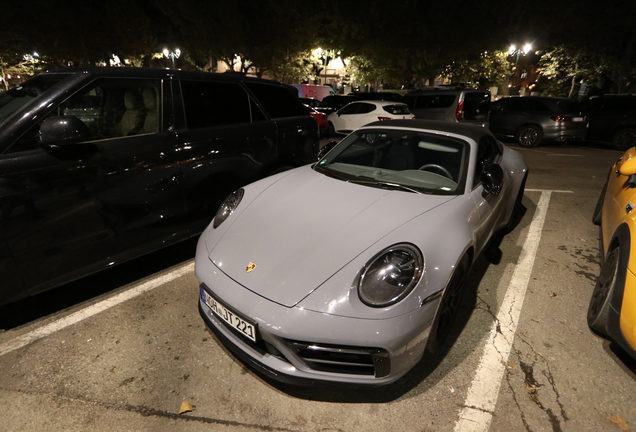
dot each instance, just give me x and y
(476, 106)
(487, 153)
(350, 109)
(520, 104)
(209, 103)
(434, 101)
(540, 106)
(366, 108)
(110, 108)
(277, 101)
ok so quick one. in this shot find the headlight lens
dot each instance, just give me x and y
(391, 275)
(227, 207)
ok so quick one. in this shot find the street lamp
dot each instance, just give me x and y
(172, 55)
(517, 51)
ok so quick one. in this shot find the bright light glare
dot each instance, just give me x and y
(527, 48)
(513, 48)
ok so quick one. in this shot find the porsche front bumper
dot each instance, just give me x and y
(296, 344)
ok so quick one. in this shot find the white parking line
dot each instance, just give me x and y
(482, 396)
(88, 312)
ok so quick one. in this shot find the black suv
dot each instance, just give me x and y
(612, 118)
(101, 165)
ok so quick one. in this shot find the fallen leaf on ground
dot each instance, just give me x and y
(552, 294)
(618, 421)
(185, 407)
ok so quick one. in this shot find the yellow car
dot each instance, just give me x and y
(612, 310)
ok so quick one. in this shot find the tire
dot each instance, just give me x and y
(624, 139)
(598, 210)
(599, 308)
(529, 136)
(331, 131)
(449, 306)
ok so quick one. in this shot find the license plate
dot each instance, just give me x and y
(243, 326)
(577, 119)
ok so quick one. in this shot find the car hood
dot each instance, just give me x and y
(305, 227)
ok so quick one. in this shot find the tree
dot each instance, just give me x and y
(489, 67)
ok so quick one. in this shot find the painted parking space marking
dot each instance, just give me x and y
(134, 291)
(482, 396)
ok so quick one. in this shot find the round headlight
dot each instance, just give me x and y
(227, 207)
(390, 275)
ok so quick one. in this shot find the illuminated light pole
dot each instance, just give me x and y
(172, 55)
(517, 51)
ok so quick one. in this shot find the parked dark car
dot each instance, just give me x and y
(380, 96)
(101, 165)
(453, 104)
(534, 119)
(338, 101)
(317, 105)
(612, 119)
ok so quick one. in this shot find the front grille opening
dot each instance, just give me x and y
(343, 359)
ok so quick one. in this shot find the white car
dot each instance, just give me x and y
(357, 114)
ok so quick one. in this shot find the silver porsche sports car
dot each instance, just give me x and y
(349, 269)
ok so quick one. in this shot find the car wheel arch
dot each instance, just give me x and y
(621, 239)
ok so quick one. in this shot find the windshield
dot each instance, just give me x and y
(18, 97)
(407, 160)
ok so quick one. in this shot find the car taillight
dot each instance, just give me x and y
(459, 114)
(561, 118)
(384, 118)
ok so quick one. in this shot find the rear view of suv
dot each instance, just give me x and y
(458, 104)
(612, 119)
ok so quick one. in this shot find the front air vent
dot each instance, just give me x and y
(343, 359)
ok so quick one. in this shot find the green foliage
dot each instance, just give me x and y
(489, 68)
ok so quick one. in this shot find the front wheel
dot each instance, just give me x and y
(624, 139)
(529, 136)
(448, 308)
(599, 308)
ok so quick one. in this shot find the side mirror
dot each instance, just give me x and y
(492, 178)
(55, 132)
(326, 149)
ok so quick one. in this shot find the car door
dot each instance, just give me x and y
(114, 194)
(491, 208)
(511, 116)
(366, 114)
(346, 117)
(225, 142)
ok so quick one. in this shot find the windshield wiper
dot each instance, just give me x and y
(384, 184)
(329, 172)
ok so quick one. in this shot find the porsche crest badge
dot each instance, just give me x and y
(251, 266)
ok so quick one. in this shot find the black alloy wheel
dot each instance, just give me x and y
(599, 309)
(529, 136)
(449, 306)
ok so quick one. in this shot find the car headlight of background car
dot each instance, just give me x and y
(227, 206)
(390, 275)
